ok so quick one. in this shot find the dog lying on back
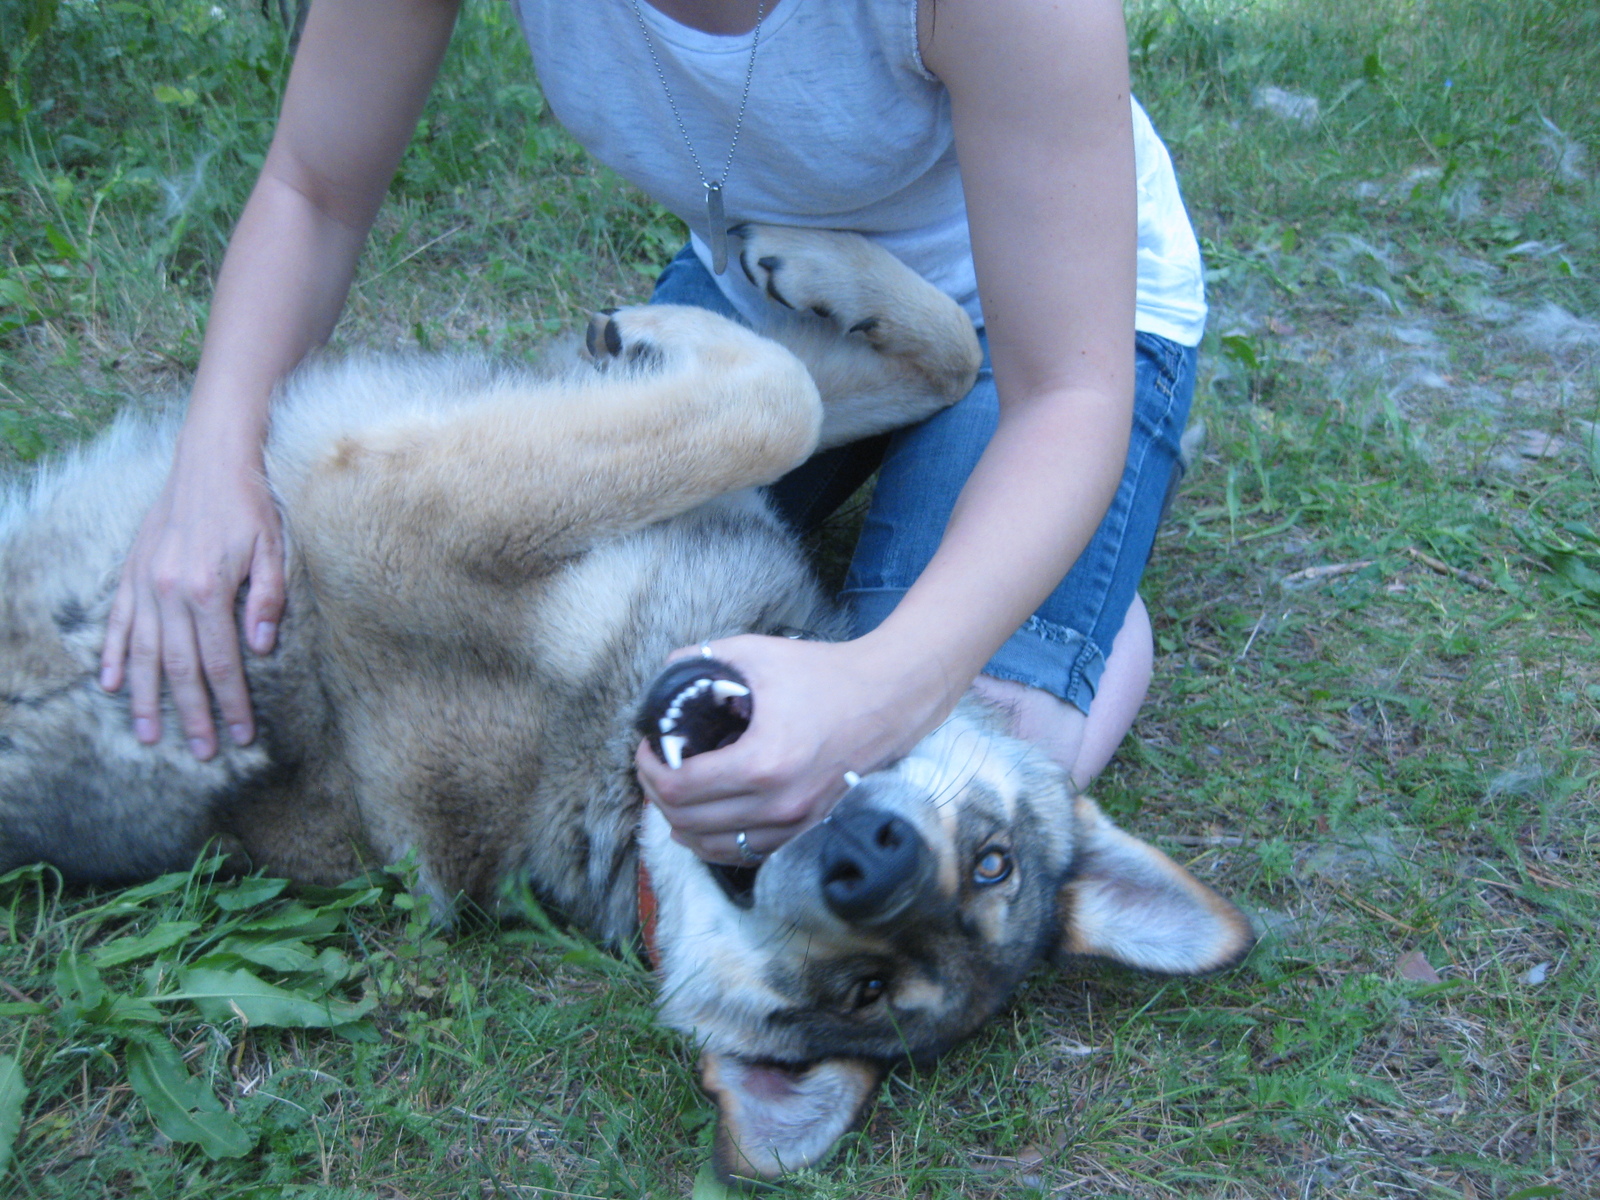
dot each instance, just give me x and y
(487, 568)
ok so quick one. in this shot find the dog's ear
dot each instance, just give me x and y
(772, 1119)
(1127, 901)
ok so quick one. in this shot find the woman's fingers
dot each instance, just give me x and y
(173, 623)
(821, 713)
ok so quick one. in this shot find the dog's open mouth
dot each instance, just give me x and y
(695, 705)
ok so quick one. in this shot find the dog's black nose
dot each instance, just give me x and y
(866, 860)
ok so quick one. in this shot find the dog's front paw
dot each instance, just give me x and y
(812, 270)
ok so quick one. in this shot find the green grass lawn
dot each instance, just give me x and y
(1376, 720)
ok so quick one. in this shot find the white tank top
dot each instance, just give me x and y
(845, 128)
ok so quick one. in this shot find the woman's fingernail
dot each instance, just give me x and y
(200, 748)
(107, 679)
(144, 729)
(240, 734)
(266, 631)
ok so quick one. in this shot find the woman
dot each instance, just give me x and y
(1002, 121)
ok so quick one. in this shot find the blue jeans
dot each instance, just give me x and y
(1062, 647)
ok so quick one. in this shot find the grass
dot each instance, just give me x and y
(1375, 719)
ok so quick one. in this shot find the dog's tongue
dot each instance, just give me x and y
(695, 705)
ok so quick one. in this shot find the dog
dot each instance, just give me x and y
(486, 569)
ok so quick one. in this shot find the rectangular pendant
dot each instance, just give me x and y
(719, 228)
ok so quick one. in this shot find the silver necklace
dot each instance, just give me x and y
(716, 212)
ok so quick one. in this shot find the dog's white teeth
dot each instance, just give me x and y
(726, 689)
(688, 693)
(667, 723)
(672, 751)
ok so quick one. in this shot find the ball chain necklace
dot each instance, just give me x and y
(716, 212)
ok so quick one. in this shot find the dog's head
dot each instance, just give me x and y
(899, 925)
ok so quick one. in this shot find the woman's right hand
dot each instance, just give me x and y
(213, 528)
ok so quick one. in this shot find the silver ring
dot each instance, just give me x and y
(749, 855)
(705, 650)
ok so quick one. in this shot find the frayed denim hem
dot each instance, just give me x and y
(1041, 654)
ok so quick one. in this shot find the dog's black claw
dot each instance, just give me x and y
(601, 337)
(594, 333)
(695, 705)
(771, 263)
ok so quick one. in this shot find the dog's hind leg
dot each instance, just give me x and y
(495, 492)
(886, 347)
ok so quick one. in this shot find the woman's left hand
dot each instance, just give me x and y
(820, 709)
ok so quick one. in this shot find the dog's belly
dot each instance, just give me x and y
(514, 762)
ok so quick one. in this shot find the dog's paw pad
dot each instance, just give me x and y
(695, 705)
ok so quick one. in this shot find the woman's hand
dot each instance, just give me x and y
(820, 709)
(213, 528)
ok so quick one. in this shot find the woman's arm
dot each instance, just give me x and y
(1039, 96)
(1040, 101)
(362, 73)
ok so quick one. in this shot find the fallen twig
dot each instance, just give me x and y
(1327, 571)
(1444, 568)
(1377, 912)
(1251, 640)
(15, 994)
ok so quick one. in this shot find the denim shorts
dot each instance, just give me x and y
(1062, 647)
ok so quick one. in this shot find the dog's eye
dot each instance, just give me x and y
(870, 991)
(993, 865)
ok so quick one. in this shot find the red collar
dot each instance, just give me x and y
(647, 916)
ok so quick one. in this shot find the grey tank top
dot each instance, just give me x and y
(845, 129)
